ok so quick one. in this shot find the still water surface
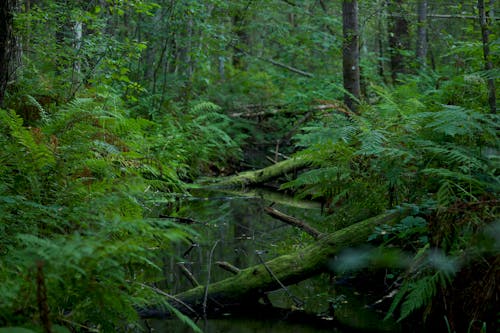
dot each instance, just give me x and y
(240, 230)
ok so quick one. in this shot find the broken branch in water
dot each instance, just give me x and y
(293, 221)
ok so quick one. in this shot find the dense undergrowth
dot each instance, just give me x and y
(411, 147)
(78, 189)
(102, 131)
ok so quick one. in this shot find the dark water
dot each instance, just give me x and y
(240, 325)
(236, 227)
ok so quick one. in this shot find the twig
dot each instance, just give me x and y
(86, 328)
(298, 302)
(287, 137)
(276, 63)
(205, 297)
(293, 221)
(191, 247)
(161, 292)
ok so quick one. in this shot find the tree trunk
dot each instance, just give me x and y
(242, 39)
(422, 34)
(249, 178)
(488, 64)
(398, 38)
(7, 45)
(350, 53)
(249, 284)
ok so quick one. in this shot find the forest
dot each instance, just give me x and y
(367, 128)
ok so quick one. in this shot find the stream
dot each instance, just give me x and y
(234, 225)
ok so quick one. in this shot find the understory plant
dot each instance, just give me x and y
(442, 159)
(79, 237)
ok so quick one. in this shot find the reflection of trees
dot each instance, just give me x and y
(244, 212)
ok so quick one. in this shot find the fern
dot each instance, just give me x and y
(420, 293)
(454, 121)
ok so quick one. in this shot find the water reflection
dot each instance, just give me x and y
(240, 227)
(238, 325)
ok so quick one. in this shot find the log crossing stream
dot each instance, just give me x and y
(233, 227)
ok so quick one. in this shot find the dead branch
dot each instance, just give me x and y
(188, 274)
(293, 221)
(228, 267)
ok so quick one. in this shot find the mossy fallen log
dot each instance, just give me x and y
(271, 196)
(260, 176)
(251, 283)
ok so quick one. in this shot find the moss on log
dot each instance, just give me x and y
(250, 283)
(260, 176)
(271, 196)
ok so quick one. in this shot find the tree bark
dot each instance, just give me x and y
(249, 284)
(488, 64)
(398, 39)
(249, 178)
(7, 45)
(422, 33)
(350, 53)
(242, 39)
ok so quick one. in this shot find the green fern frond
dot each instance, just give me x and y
(420, 293)
(38, 153)
(204, 106)
(455, 120)
(41, 109)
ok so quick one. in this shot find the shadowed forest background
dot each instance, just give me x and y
(113, 112)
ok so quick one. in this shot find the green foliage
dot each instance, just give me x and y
(408, 150)
(74, 198)
(117, 103)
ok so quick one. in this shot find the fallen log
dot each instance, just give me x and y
(248, 285)
(272, 196)
(255, 177)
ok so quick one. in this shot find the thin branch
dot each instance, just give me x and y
(205, 297)
(276, 63)
(161, 292)
(298, 302)
(290, 68)
(440, 16)
(228, 267)
(293, 221)
(188, 274)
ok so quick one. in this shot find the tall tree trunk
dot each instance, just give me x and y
(422, 33)
(242, 39)
(380, 44)
(398, 38)
(7, 45)
(488, 64)
(350, 53)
